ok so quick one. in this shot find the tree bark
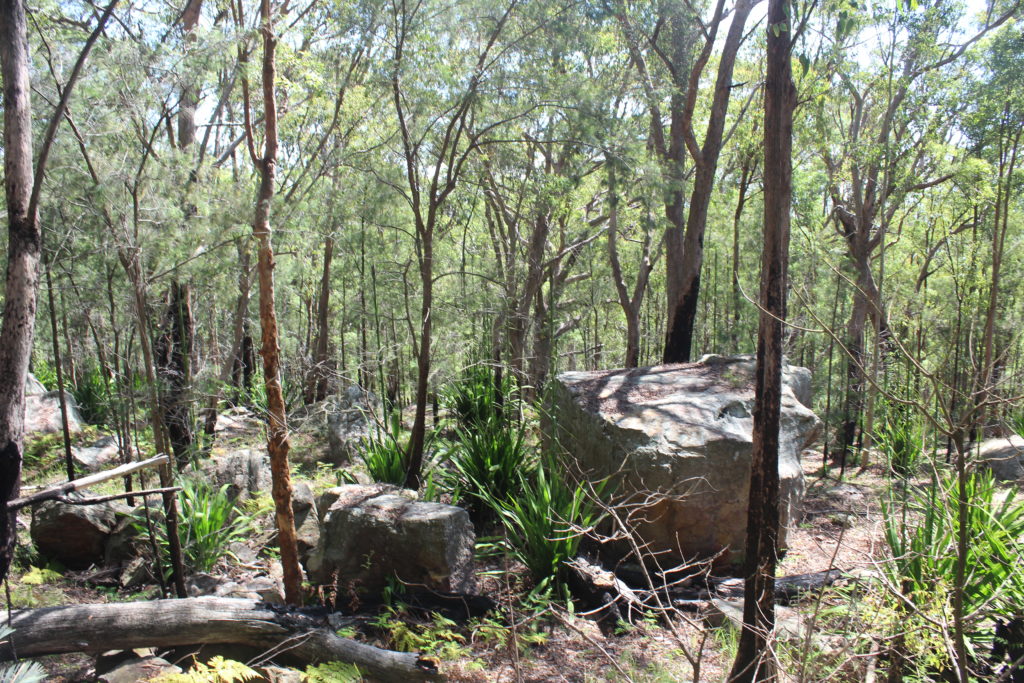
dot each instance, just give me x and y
(685, 251)
(277, 421)
(174, 369)
(24, 244)
(320, 374)
(754, 661)
(303, 635)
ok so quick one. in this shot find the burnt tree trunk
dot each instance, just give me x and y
(174, 370)
(318, 381)
(754, 661)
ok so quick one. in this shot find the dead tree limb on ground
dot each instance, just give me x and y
(302, 634)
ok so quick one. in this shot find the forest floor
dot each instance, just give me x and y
(840, 526)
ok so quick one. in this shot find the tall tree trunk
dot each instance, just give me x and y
(24, 245)
(685, 251)
(318, 382)
(277, 426)
(174, 371)
(69, 461)
(417, 440)
(754, 660)
(232, 366)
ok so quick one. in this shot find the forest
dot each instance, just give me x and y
(282, 272)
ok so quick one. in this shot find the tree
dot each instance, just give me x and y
(753, 658)
(22, 187)
(277, 419)
(687, 223)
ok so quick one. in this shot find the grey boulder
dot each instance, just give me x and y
(1004, 456)
(42, 413)
(677, 441)
(371, 536)
(100, 455)
(245, 472)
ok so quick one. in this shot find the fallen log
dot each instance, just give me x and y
(61, 490)
(302, 634)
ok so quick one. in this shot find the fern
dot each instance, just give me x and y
(217, 670)
(333, 672)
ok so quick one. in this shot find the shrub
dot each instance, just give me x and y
(208, 522)
(383, 453)
(900, 438)
(922, 539)
(488, 462)
(544, 520)
(479, 395)
(92, 393)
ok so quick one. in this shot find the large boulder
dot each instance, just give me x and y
(101, 454)
(246, 472)
(75, 535)
(42, 409)
(342, 420)
(1004, 456)
(679, 438)
(371, 534)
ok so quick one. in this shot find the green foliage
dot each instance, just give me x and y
(93, 395)
(333, 672)
(37, 576)
(217, 670)
(1016, 423)
(384, 454)
(438, 638)
(45, 372)
(545, 520)
(922, 540)
(480, 395)
(208, 523)
(488, 461)
(900, 438)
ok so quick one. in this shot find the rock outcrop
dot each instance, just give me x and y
(679, 438)
(1004, 456)
(246, 472)
(373, 533)
(342, 420)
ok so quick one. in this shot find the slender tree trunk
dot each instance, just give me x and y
(69, 461)
(417, 440)
(320, 374)
(232, 367)
(754, 661)
(24, 245)
(277, 422)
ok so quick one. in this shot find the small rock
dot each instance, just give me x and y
(278, 674)
(141, 669)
